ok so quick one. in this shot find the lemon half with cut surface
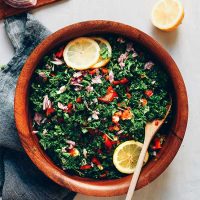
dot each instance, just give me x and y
(81, 53)
(167, 15)
(126, 155)
(102, 42)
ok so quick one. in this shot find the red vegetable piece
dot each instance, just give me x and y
(85, 167)
(156, 123)
(96, 161)
(59, 54)
(110, 95)
(49, 111)
(79, 100)
(107, 141)
(128, 95)
(149, 93)
(116, 82)
(143, 102)
(104, 174)
(69, 107)
(92, 72)
(104, 70)
(124, 81)
(157, 144)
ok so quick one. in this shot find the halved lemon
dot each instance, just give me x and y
(102, 61)
(126, 156)
(167, 15)
(81, 53)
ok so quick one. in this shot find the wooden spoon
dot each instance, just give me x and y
(150, 130)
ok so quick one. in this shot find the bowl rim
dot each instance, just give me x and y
(82, 185)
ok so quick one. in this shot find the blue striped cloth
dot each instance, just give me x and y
(19, 178)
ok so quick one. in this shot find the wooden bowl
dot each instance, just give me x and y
(84, 185)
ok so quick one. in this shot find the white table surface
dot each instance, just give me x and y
(181, 181)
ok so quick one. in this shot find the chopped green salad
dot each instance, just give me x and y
(80, 117)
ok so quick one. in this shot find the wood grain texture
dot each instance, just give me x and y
(88, 186)
(6, 10)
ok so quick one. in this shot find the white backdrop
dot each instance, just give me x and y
(181, 181)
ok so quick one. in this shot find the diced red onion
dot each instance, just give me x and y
(120, 132)
(61, 90)
(95, 114)
(148, 65)
(77, 74)
(46, 103)
(89, 88)
(97, 79)
(37, 118)
(62, 107)
(111, 76)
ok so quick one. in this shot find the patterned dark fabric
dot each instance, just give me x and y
(19, 178)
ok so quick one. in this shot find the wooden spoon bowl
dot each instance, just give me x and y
(175, 131)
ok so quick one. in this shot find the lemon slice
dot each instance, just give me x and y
(102, 42)
(81, 53)
(126, 156)
(167, 15)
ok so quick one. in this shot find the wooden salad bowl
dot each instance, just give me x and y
(175, 132)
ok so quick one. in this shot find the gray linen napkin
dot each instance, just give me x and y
(19, 178)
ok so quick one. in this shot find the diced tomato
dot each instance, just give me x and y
(107, 78)
(127, 114)
(104, 174)
(122, 81)
(79, 100)
(110, 95)
(128, 95)
(116, 82)
(143, 102)
(85, 167)
(119, 113)
(69, 107)
(107, 141)
(115, 119)
(96, 161)
(49, 111)
(73, 152)
(59, 54)
(104, 70)
(149, 93)
(157, 144)
(156, 123)
(92, 72)
(114, 128)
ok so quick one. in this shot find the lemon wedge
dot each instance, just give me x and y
(126, 155)
(81, 53)
(167, 15)
(102, 61)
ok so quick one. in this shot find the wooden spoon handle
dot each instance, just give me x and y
(137, 171)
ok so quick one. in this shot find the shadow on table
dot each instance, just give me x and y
(157, 189)
(167, 39)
